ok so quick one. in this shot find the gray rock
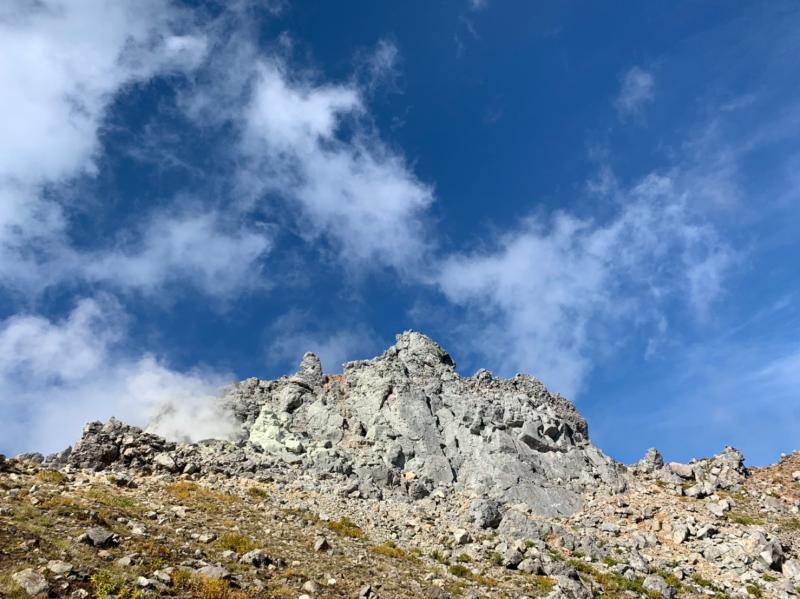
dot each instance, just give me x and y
(461, 537)
(59, 567)
(771, 555)
(31, 582)
(321, 544)
(654, 583)
(486, 513)
(791, 569)
(718, 508)
(530, 566)
(98, 536)
(165, 461)
(214, 572)
(512, 558)
(312, 587)
(367, 592)
(500, 441)
(680, 532)
(256, 557)
(682, 470)
(651, 461)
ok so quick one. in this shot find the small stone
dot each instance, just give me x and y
(59, 567)
(683, 470)
(366, 592)
(206, 537)
(718, 508)
(294, 446)
(680, 532)
(654, 583)
(163, 576)
(796, 475)
(98, 536)
(214, 572)
(321, 544)
(461, 537)
(512, 558)
(165, 461)
(256, 558)
(486, 513)
(791, 569)
(309, 586)
(530, 566)
(30, 581)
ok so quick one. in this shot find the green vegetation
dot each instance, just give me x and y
(791, 524)
(236, 542)
(460, 570)
(464, 558)
(346, 527)
(389, 549)
(109, 583)
(257, 492)
(201, 587)
(754, 591)
(543, 584)
(744, 519)
(51, 476)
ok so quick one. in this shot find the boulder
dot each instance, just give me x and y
(656, 584)
(30, 581)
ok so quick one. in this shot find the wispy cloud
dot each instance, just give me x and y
(197, 248)
(637, 90)
(348, 187)
(548, 295)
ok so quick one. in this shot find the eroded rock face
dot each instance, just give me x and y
(404, 423)
(407, 421)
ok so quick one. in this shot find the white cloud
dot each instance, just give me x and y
(61, 63)
(194, 247)
(636, 91)
(57, 375)
(552, 292)
(348, 185)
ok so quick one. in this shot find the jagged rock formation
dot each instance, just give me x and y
(403, 423)
(406, 420)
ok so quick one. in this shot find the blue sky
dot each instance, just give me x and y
(606, 197)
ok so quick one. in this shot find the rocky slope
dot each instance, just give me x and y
(397, 478)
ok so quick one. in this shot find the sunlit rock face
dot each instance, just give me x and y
(406, 422)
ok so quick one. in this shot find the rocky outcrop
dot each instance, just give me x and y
(407, 421)
(404, 423)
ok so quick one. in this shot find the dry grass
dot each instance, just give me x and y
(51, 476)
(389, 549)
(236, 542)
(201, 587)
(346, 527)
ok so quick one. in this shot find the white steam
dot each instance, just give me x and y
(57, 375)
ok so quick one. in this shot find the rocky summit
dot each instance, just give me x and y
(396, 478)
